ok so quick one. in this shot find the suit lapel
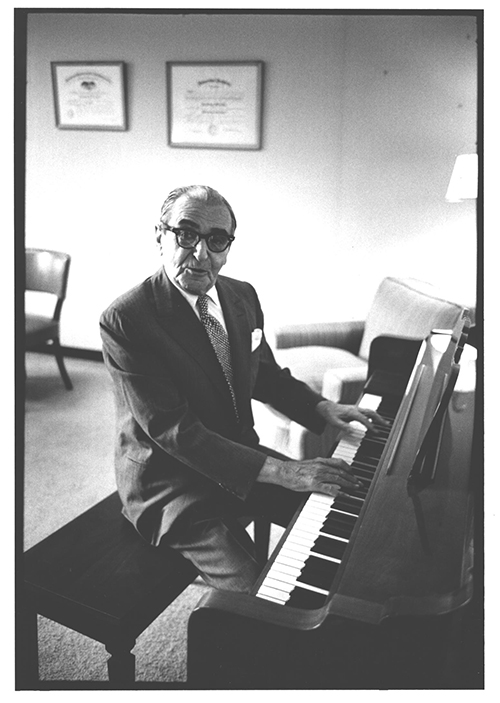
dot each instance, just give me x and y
(239, 332)
(178, 319)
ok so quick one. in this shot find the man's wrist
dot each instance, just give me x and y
(271, 471)
(322, 408)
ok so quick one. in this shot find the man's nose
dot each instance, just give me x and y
(201, 250)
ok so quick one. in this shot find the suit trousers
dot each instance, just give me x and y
(221, 548)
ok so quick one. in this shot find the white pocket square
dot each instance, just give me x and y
(256, 338)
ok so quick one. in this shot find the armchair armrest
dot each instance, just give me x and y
(344, 335)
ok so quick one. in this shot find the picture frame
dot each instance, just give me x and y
(89, 95)
(215, 104)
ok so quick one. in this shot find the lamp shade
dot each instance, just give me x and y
(463, 181)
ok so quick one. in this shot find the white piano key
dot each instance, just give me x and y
(306, 530)
(309, 520)
(309, 524)
(280, 576)
(307, 541)
(313, 510)
(316, 509)
(369, 401)
(312, 519)
(275, 593)
(289, 560)
(279, 585)
(283, 568)
(320, 498)
(324, 534)
(298, 550)
(291, 582)
(264, 596)
(303, 531)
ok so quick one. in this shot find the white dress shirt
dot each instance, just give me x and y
(214, 306)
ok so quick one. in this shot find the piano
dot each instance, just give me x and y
(369, 590)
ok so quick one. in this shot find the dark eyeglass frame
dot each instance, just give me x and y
(178, 230)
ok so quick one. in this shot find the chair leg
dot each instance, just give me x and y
(60, 362)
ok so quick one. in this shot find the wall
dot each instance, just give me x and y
(363, 118)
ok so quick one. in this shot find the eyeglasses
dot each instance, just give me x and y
(217, 242)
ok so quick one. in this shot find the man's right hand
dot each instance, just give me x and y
(321, 475)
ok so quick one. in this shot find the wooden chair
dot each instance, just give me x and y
(47, 272)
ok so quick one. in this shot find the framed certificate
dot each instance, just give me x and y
(215, 105)
(89, 95)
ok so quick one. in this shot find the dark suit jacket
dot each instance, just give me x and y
(180, 452)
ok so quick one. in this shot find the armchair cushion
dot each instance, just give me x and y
(310, 363)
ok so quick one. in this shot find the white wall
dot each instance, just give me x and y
(363, 118)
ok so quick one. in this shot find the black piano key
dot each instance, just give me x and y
(349, 505)
(329, 547)
(318, 572)
(366, 460)
(300, 598)
(335, 517)
(334, 527)
(370, 447)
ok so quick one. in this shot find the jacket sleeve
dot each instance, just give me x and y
(148, 395)
(295, 399)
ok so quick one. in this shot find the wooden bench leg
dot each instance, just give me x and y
(262, 531)
(27, 648)
(121, 664)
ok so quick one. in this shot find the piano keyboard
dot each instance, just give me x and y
(304, 568)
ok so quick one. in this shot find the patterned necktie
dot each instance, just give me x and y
(220, 342)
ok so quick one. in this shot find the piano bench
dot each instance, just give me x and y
(97, 576)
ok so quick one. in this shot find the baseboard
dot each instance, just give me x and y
(75, 353)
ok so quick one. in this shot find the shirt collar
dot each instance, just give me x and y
(192, 299)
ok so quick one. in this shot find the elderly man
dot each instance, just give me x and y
(187, 353)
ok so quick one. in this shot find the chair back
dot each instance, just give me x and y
(406, 307)
(47, 272)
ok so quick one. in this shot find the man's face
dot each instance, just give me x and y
(194, 270)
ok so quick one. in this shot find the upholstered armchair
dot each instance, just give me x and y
(332, 357)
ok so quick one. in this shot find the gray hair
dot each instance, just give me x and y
(203, 193)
